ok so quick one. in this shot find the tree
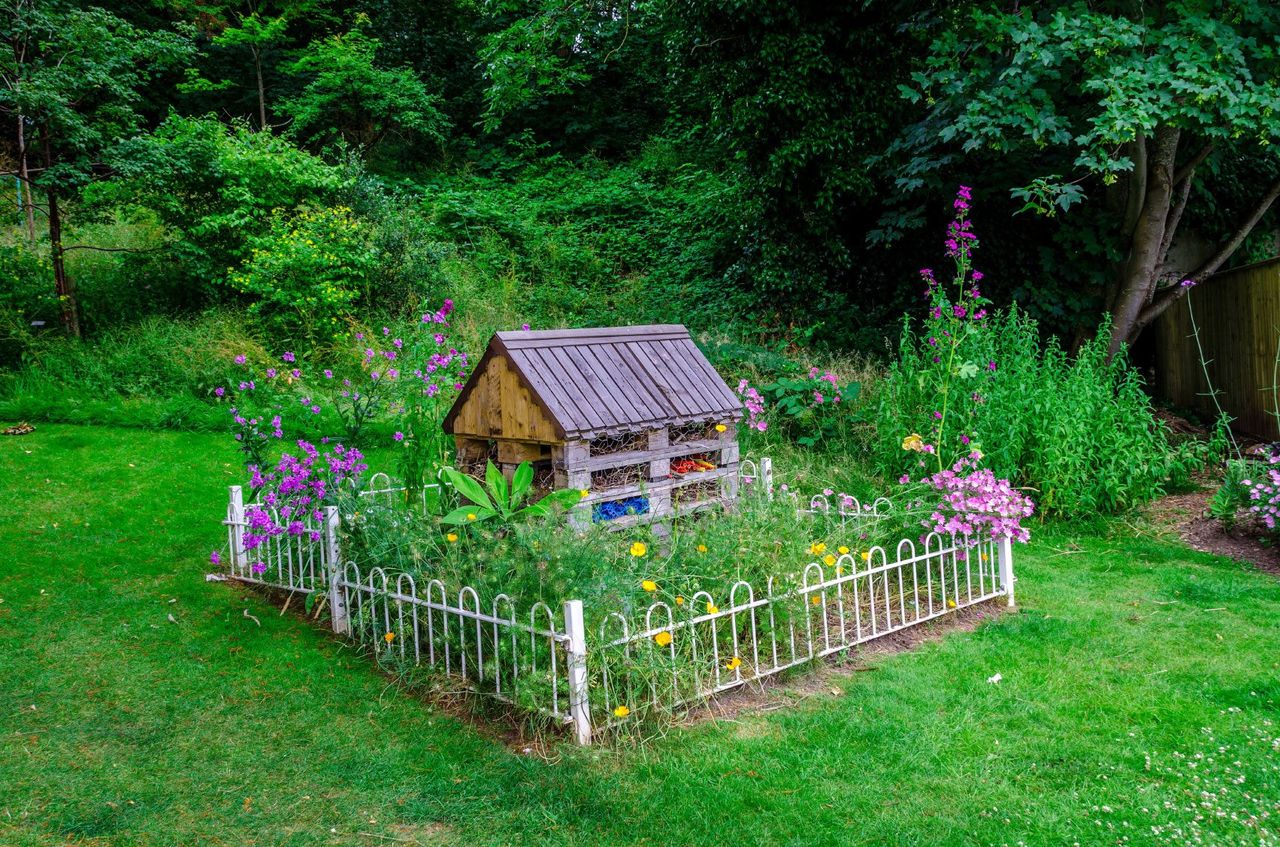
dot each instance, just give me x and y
(1138, 101)
(349, 98)
(71, 79)
(256, 28)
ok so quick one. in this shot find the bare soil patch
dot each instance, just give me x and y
(1188, 516)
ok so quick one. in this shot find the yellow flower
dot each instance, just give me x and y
(815, 600)
(584, 493)
(866, 555)
(817, 548)
(951, 604)
(721, 427)
(679, 601)
(649, 585)
(451, 537)
(638, 549)
(734, 663)
(712, 608)
(389, 637)
(702, 548)
(663, 638)
(621, 712)
(829, 560)
(844, 551)
(984, 557)
(471, 516)
(913, 442)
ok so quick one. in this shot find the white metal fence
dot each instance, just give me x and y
(543, 660)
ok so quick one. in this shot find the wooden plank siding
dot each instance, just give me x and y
(1238, 315)
(501, 406)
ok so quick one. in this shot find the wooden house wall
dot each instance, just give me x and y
(502, 407)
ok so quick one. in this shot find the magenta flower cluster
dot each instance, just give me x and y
(952, 338)
(833, 393)
(291, 495)
(1265, 494)
(753, 402)
(974, 502)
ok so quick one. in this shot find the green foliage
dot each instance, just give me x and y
(75, 74)
(215, 187)
(501, 502)
(1078, 431)
(305, 272)
(349, 98)
(1089, 80)
(1232, 496)
(812, 409)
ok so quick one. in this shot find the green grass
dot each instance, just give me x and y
(119, 726)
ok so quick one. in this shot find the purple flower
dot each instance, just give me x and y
(288, 357)
(240, 360)
(259, 567)
(525, 327)
(399, 436)
(1188, 283)
(214, 558)
(219, 391)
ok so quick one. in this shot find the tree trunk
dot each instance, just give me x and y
(24, 177)
(262, 90)
(65, 288)
(1139, 277)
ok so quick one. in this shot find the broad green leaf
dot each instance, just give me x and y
(497, 484)
(468, 488)
(521, 481)
(461, 516)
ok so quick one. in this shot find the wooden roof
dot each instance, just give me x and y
(608, 380)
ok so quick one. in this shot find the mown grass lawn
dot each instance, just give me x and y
(1129, 658)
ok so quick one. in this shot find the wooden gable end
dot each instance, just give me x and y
(500, 405)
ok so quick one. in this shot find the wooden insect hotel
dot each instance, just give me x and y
(635, 416)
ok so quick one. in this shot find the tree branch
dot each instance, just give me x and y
(1184, 173)
(1175, 214)
(71, 247)
(1173, 293)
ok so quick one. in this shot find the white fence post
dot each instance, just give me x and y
(766, 475)
(1005, 555)
(576, 651)
(238, 554)
(333, 572)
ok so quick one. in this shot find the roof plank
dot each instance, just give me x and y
(608, 380)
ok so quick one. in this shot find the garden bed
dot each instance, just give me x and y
(603, 661)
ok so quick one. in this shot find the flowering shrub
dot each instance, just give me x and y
(408, 383)
(1264, 494)
(807, 407)
(1077, 429)
(943, 369)
(974, 502)
(306, 271)
(291, 496)
(753, 402)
